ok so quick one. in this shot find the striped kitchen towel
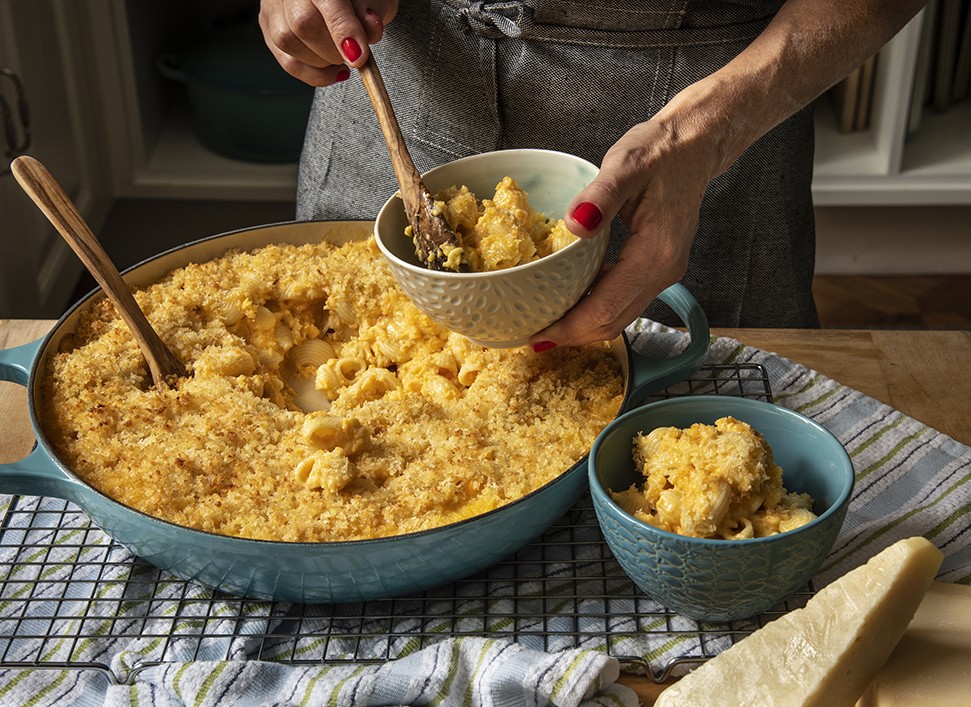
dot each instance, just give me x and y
(465, 671)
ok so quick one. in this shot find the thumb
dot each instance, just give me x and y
(593, 208)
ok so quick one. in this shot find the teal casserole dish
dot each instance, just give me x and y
(331, 572)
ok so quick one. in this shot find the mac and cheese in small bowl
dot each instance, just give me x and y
(719, 508)
(525, 269)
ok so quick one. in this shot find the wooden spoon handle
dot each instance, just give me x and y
(55, 204)
(433, 237)
(409, 179)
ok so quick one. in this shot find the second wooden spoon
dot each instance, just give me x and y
(55, 204)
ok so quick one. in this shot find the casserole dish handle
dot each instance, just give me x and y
(36, 474)
(15, 363)
(168, 66)
(650, 375)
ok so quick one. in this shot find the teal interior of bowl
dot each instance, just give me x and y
(813, 461)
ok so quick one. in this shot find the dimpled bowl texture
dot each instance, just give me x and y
(503, 308)
(723, 580)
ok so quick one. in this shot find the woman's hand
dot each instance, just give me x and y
(654, 177)
(317, 40)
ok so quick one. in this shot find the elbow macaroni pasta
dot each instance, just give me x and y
(712, 481)
(408, 427)
(331, 471)
(312, 354)
(501, 232)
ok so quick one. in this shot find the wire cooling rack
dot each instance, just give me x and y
(70, 598)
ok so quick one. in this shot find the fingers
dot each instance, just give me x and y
(593, 207)
(619, 296)
(353, 26)
(654, 257)
(620, 291)
(317, 41)
(305, 70)
(598, 318)
(655, 181)
(375, 16)
(296, 29)
(346, 32)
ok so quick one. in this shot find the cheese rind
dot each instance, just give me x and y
(827, 652)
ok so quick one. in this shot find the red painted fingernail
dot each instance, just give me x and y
(376, 16)
(541, 346)
(588, 215)
(342, 75)
(351, 49)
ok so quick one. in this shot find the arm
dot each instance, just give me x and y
(807, 48)
(655, 176)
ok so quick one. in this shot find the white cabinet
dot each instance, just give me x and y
(38, 271)
(153, 150)
(884, 165)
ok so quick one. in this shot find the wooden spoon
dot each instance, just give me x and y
(44, 190)
(430, 230)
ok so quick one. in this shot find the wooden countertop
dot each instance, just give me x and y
(923, 374)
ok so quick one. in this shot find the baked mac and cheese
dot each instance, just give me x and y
(500, 232)
(712, 481)
(322, 404)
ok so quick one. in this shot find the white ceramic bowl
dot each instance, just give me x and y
(503, 308)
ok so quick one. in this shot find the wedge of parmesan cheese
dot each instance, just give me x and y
(931, 664)
(827, 652)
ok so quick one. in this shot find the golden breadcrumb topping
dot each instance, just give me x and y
(712, 481)
(321, 404)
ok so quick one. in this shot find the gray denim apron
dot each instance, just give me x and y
(470, 77)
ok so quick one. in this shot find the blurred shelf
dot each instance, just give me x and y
(178, 166)
(893, 162)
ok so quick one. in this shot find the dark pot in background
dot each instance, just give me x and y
(244, 105)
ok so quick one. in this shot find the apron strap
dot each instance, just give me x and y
(609, 23)
(494, 19)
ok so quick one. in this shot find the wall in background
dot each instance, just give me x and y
(885, 240)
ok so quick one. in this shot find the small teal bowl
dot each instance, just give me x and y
(723, 580)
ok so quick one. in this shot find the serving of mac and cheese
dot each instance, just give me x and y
(712, 481)
(321, 405)
(500, 232)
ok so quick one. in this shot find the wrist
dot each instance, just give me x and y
(723, 114)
